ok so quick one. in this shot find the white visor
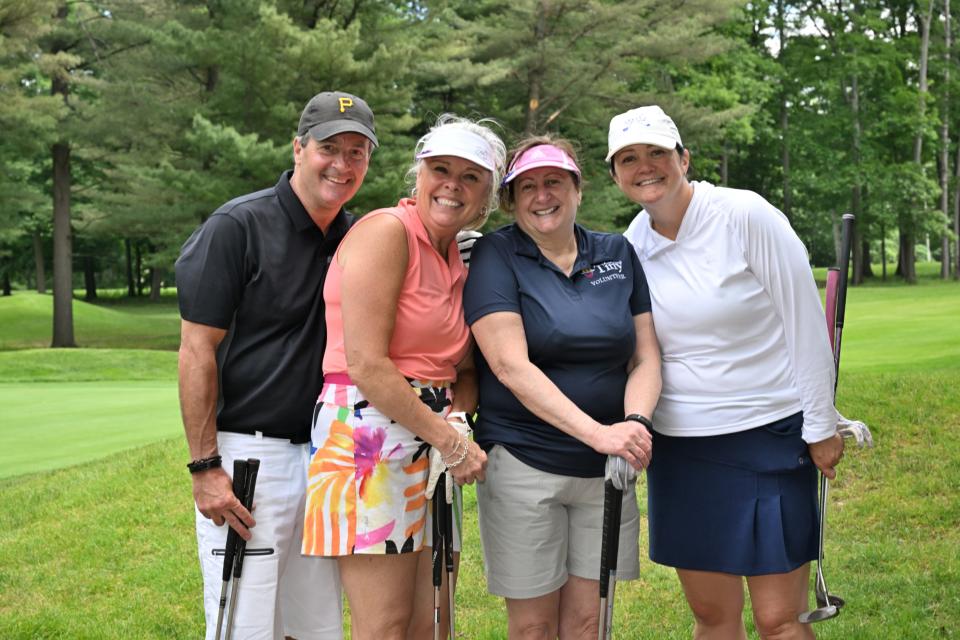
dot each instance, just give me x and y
(455, 141)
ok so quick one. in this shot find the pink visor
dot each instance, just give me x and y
(544, 155)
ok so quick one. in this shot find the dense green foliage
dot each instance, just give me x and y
(145, 115)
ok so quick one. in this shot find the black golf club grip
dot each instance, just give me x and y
(239, 480)
(608, 500)
(253, 467)
(436, 556)
(615, 530)
(448, 534)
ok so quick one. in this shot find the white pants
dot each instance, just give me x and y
(281, 591)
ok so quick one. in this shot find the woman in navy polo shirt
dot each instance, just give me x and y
(562, 318)
(747, 413)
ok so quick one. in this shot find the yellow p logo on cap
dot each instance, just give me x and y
(344, 103)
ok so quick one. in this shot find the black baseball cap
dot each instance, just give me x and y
(333, 112)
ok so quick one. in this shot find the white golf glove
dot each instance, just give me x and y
(437, 466)
(621, 473)
(855, 430)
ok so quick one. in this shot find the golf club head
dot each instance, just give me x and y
(835, 601)
(819, 614)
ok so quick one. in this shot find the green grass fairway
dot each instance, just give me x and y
(26, 321)
(105, 548)
(47, 426)
(897, 328)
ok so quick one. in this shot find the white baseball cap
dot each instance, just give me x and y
(643, 125)
(449, 140)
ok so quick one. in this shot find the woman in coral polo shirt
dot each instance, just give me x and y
(397, 367)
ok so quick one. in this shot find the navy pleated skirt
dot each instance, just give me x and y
(742, 503)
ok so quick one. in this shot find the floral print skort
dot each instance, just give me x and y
(367, 476)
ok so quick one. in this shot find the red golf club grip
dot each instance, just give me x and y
(830, 302)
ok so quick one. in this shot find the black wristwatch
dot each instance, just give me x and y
(644, 420)
(203, 464)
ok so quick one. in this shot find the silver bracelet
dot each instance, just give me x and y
(462, 456)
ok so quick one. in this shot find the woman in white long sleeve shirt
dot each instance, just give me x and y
(746, 414)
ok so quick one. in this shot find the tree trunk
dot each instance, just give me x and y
(131, 291)
(907, 267)
(725, 164)
(5, 286)
(90, 278)
(945, 149)
(155, 282)
(534, 78)
(861, 267)
(38, 262)
(62, 249)
(907, 263)
(883, 251)
(138, 269)
(956, 212)
(784, 118)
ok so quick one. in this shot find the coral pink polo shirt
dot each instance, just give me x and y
(430, 336)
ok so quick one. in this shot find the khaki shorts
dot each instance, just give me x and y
(539, 528)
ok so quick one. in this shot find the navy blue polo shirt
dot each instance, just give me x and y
(256, 268)
(580, 332)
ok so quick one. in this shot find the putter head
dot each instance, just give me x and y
(835, 601)
(819, 614)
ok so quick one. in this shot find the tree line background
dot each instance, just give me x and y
(126, 122)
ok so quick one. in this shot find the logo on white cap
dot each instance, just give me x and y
(643, 125)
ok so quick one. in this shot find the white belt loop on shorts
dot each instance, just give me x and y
(258, 435)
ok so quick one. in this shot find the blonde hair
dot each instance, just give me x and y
(478, 127)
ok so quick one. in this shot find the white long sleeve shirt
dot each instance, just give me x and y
(739, 321)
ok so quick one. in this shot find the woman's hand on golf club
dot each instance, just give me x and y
(472, 468)
(630, 440)
(213, 493)
(826, 454)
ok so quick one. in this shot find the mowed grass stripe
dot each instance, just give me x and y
(26, 322)
(87, 365)
(46, 426)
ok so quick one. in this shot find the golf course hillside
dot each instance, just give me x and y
(96, 511)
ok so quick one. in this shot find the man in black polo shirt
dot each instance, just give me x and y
(250, 285)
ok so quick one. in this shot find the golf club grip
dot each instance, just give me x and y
(230, 549)
(448, 533)
(614, 552)
(436, 554)
(830, 302)
(253, 467)
(846, 242)
(608, 499)
(846, 239)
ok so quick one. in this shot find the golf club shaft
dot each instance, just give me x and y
(613, 552)
(230, 548)
(253, 467)
(448, 560)
(838, 311)
(439, 502)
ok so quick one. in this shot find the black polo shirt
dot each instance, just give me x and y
(580, 332)
(256, 267)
